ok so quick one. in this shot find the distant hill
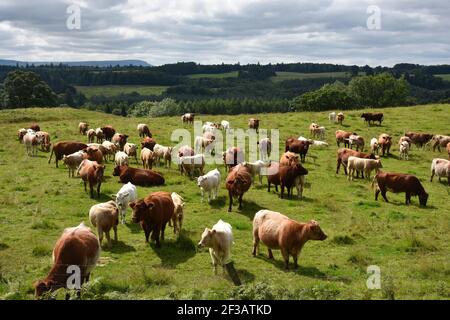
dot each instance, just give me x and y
(99, 63)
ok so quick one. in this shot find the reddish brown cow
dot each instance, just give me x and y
(343, 154)
(342, 136)
(385, 142)
(91, 172)
(368, 116)
(297, 146)
(237, 183)
(119, 139)
(63, 148)
(232, 157)
(139, 177)
(148, 143)
(289, 158)
(254, 124)
(291, 176)
(108, 132)
(419, 139)
(77, 246)
(35, 127)
(399, 182)
(153, 213)
(94, 154)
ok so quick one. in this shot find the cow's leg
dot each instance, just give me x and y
(407, 198)
(91, 188)
(432, 175)
(268, 186)
(338, 165)
(282, 191)
(377, 192)
(362, 174)
(295, 257)
(240, 201)
(285, 254)
(100, 234)
(383, 193)
(276, 188)
(231, 201)
(98, 188)
(115, 233)
(269, 251)
(146, 232)
(163, 229)
(255, 242)
(84, 186)
(108, 237)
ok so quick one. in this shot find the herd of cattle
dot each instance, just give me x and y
(79, 246)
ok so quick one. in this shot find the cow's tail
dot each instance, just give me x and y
(51, 154)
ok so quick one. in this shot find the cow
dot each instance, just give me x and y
(91, 135)
(405, 138)
(439, 141)
(356, 140)
(253, 124)
(178, 213)
(162, 152)
(343, 136)
(73, 161)
(318, 144)
(44, 137)
(31, 142)
(384, 142)
(399, 182)
(91, 172)
(131, 150)
(65, 148)
(191, 163)
(232, 157)
(76, 246)
(20, 134)
(277, 231)
(99, 135)
(121, 159)
(448, 150)
(83, 127)
(289, 158)
(148, 143)
(418, 138)
(290, 176)
(225, 125)
(139, 177)
(404, 150)
(153, 213)
(312, 128)
(440, 168)
(188, 118)
(265, 149)
(125, 195)
(237, 183)
(143, 130)
(105, 216)
(219, 240)
(35, 127)
(273, 175)
(94, 154)
(368, 117)
(209, 183)
(110, 149)
(296, 146)
(119, 140)
(108, 132)
(343, 154)
(332, 116)
(340, 118)
(318, 132)
(365, 166)
(374, 147)
(147, 158)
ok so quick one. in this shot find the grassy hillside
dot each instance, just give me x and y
(281, 76)
(113, 90)
(409, 243)
(231, 74)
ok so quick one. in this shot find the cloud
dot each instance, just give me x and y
(213, 31)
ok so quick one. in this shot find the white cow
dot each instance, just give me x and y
(374, 146)
(366, 166)
(404, 150)
(73, 161)
(162, 152)
(121, 158)
(178, 213)
(31, 141)
(319, 144)
(441, 168)
(125, 195)
(210, 183)
(219, 240)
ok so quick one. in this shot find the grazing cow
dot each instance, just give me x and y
(232, 157)
(343, 154)
(225, 125)
(65, 148)
(91, 172)
(147, 158)
(100, 135)
(237, 183)
(332, 116)
(94, 154)
(105, 216)
(31, 142)
(440, 168)
(277, 231)
(188, 118)
(110, 149)
(108, 132)
(289, 158)
(121, 159)
(35, 127)
(178, 213)
(253, 124)
(139, 177)
(399, 182)
(83, 127)
(374, 147)
(21, 133)
(148, 143)
(368, 117)
(343, 136)
(290, 176)
(131, 150)
(210, 183)
(385, 142)
(219, 240)
(90, 135)
(44, 137)
(73, 161)
(191, 163)
(143, 130)
(153, 212)
(255, 168)
(340, 118)
(77, 246)
(440, 141)
(419, 139)
(265, 149)
(365, 166)
(162, 152)
(297, 146)
(448, 150)
(356, 140)
(119, 140)
(125, 195)
(404, 150)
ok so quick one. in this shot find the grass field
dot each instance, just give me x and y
(281, 76)
(410, 244)
(114, 90)
(232, 74)
(443, 76)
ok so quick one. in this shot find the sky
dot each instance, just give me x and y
(375, 32)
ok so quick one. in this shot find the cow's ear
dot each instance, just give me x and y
(213, 231)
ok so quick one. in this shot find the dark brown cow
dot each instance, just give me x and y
(297, 146)
(232, 157)
(368, 116)
(291, 176)
(384, 142)
(237, 183)
(344, 153)
(253, 124)
(108, 132)
(153, 213)
(148, 143)
(342, 136)
(400, 182)
(94, 154)
(119, 139)
(91, 172)
(77, 246)
(188, 118)
(418, 138)
(139, 177)
(35, 127)
(64, 148)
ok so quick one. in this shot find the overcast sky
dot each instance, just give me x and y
(230, 31)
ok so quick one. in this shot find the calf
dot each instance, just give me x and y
(147, 158)
(255, 168)
(191, 163)
(365, 166)
(219, 240)
(385, 142)
(91, 135)
(441, 168)
(405, 138)
(20, 134)
(237, 183)
(83, 127)
(404, 150)
(143, 130)
(105, 216)
(178, 214)
(289, 158)
(139, 177)
(162, 152)
(73, 161)
(210, 183)
(99, 135)
(121, 159)
(343, 154)
(277, 231)
(203, 144)
(44, 137)
(125, 195)
(292, 175)
(91, 172)
(332, 117)
(31, 142)
(131, 150)
(108, 132)
(356, 140)
(77, 246)
(152, 213)
(65, 148)
(340, 118)
(253, 124)
(399, 182)
(110, 149)
(374, 147)
(232, 157)
(188, 118)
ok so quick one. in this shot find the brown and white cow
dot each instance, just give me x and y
(384, 143)
(440, 141)
(65, 148)
(418, 138)
(44, 137)
(143, 130)
(297, 146)
(343, 154)
(91, 172)
(119, 139)
(253, 124)
(188, 118)
(232, 157)
(83, 127)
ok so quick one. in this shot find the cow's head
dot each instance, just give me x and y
(206, 240)
(117, 170)
(423, 198)
(99, 171)
(301, 170)
(315, 232)
(140, 209)
(200, 180)
(41, 287)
